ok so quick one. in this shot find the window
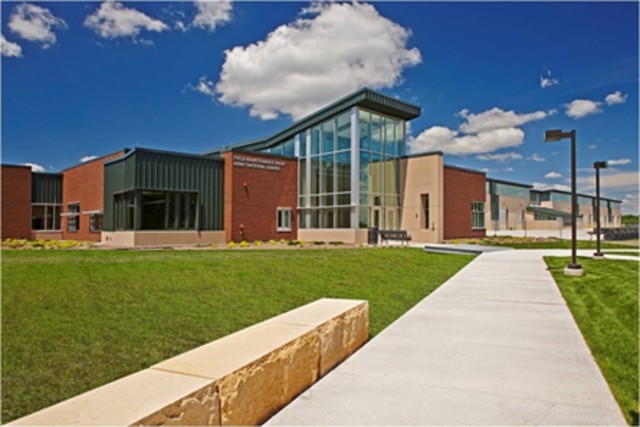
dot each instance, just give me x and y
(283, 219)
(73, 217)
(425, 207)
(95, 222)
(45, 217)
(477, 215)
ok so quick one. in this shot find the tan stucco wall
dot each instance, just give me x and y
(161, 238)
(333, 235)
(422, 175)
(513, 219)
(46, 235)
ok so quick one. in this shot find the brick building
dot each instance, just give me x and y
(330, 176)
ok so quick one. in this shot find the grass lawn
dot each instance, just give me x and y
(542, 243)
(73, 320)
(604, 303)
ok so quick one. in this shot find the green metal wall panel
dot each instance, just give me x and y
(153, 170)
(46, 188)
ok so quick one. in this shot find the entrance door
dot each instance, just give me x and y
(376, 218)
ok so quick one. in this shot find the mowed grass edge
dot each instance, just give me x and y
(74, 320)
(604, 303)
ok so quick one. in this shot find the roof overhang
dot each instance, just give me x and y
(549, 212)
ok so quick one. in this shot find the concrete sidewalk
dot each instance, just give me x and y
(496, 344)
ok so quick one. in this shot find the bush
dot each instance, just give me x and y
(318, 242)
(336, 243)
(258, 243)
(272, 242)
(244, 244)
(231, 244)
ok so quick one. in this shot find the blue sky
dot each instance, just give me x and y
(86, 79)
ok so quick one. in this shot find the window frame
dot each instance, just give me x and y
(73, 217)
(478, 216)
(284, 220)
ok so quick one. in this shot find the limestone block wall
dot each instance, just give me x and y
(241, 379)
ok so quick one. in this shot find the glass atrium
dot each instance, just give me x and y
(349, 170)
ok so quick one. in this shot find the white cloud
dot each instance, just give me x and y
(553, 175)
(543, 186)
(537, 158)
(304, 65)
(88, 158)
(497, 119)
(500, 158)
(579, 108)
(509, 169)
(204, 86)
(10, 49)
(35, 24)
(613, 180)
(439, 138)
(592, 147)
(35, 167)
(212, 14)
(615, 98)
(113, 20)
(548, 81)
(618, 162)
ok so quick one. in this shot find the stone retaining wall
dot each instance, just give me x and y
(241, 379)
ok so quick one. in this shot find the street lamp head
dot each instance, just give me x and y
(552, 135)
(600, 165)
(556, 135)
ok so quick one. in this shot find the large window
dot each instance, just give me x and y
(283, 219)
(328, 164)
(477, 215)
(73, 217)
(45, 217)
(158, 210)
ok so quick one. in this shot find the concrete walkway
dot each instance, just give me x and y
(496, 344)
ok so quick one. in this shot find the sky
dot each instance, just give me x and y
(85, 79)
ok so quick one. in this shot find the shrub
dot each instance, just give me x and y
(318, 242)
(244, 244)
(272, 242)
(231, 244)
(258, 243)
(336, 243)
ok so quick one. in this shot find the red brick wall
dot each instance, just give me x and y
(461, 187)
(16, 202)
(84, 184)
(254, 206)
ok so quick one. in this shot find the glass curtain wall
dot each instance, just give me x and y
(381, 145)
(329, 159)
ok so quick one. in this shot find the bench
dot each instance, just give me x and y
(398, 235)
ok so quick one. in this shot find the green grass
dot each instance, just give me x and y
(604, 303)
(541, 243)
(73, 320)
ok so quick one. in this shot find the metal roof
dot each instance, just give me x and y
(549, 212)
(516, 184)
(364, 97)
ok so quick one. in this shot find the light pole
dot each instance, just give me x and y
(597, 166)
(573, 269)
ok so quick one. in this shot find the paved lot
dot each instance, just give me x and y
(496, 344)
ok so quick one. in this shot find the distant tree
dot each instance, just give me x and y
(630, 219)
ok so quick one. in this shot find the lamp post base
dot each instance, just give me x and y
(573, 270)
(598, 255)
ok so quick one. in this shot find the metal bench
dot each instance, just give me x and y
(398, 235)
